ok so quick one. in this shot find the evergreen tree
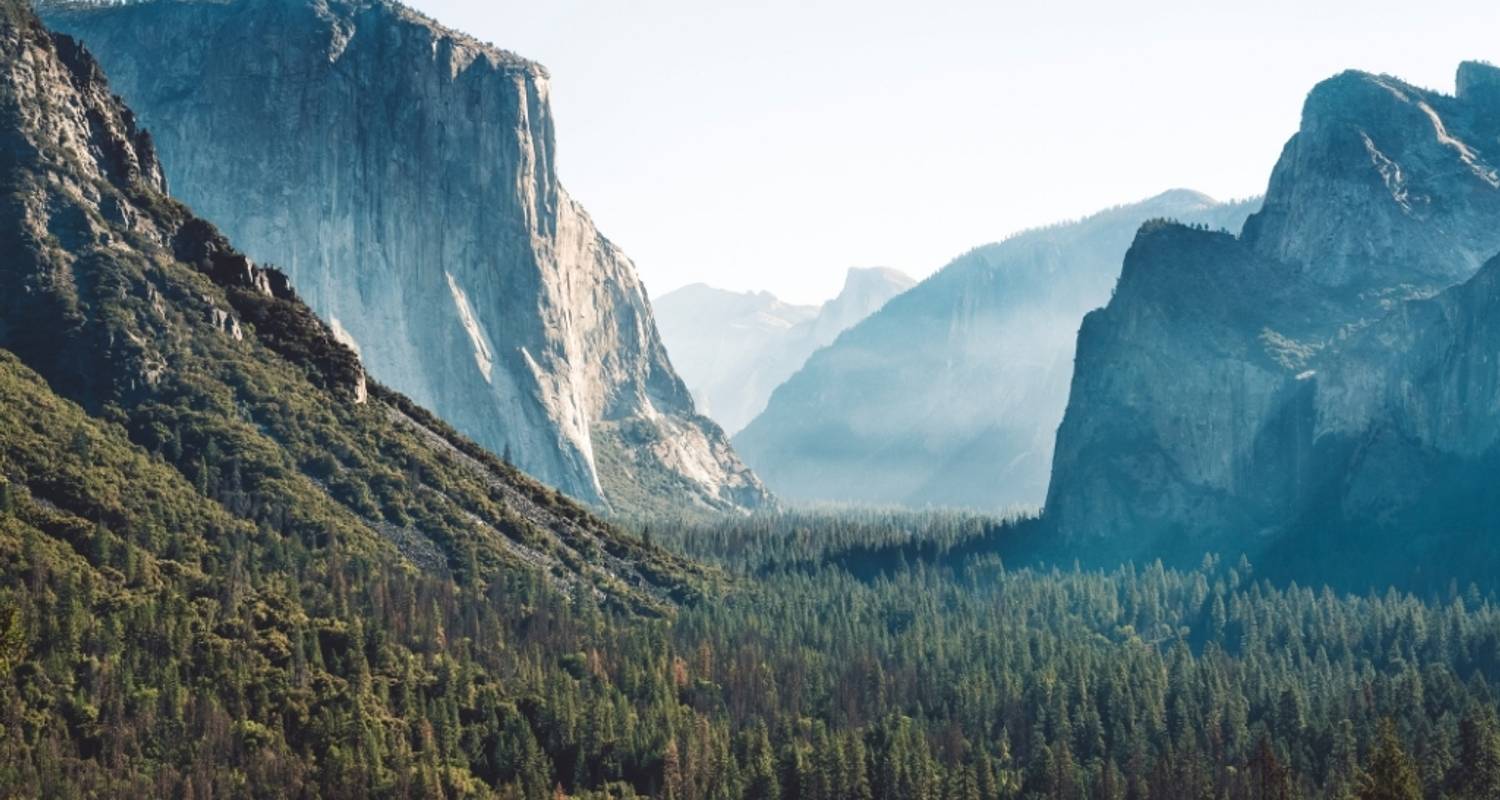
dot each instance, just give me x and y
(1476, 775)
(1391, 775)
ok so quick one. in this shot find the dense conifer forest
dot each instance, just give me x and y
(839, 655)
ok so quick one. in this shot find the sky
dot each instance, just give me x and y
(773, 145)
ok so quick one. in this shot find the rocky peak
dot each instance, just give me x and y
(1384, 185)
(1479, 84)
(864, 279)
(865, 290)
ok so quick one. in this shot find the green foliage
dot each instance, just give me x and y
(1392, 775)
(872, 656)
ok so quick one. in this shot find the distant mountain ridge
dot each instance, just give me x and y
(951, 394)
(1322, 384)
(734, 348)
(404, 176)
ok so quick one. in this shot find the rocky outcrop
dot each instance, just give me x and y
(86, 190)
(1232, 387)
(952, 392)
(404, 176)
(734, 348)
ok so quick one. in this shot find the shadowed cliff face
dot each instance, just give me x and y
(1222, 395)
(403, 175)
(952, 392)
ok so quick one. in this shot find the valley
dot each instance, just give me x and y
(341, 456)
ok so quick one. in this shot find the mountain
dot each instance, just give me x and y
(1317, 373)
(142, 316)
(735, 348)
(950, 394)
(226, 559)
(405, 177)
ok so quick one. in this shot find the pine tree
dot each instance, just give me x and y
(1391, 774)
(1476, 776)
(761, 782)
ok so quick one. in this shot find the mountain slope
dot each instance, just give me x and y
(226, 560)
(1203, 397)
(951, 393)
(404, 175)
(735, 348)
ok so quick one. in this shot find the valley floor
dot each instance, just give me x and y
(851, 655)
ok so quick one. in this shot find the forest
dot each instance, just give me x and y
(827, 656)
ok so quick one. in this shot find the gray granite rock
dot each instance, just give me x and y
(1299, 375)
(404, 175)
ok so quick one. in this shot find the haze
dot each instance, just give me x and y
(773, 145)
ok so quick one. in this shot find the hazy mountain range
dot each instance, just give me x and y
(734, 348)
(950, 394)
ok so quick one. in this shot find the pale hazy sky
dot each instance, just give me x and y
(772, 145)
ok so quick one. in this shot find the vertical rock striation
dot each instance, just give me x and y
(404, 176)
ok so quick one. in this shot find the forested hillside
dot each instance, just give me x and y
(896, 657)
(230, 565)
(155, 643)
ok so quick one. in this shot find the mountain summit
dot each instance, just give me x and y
(404, 175)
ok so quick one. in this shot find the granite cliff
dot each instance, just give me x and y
(735, 348)
(952, 392)
(404, 176)
(1316, 373)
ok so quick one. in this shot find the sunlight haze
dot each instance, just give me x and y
(773, 145)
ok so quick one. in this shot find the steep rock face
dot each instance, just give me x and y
(952, 392)
(734, 348)
(1202, 403)
(1407, 415)
(404, 176)
(1186, 373)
